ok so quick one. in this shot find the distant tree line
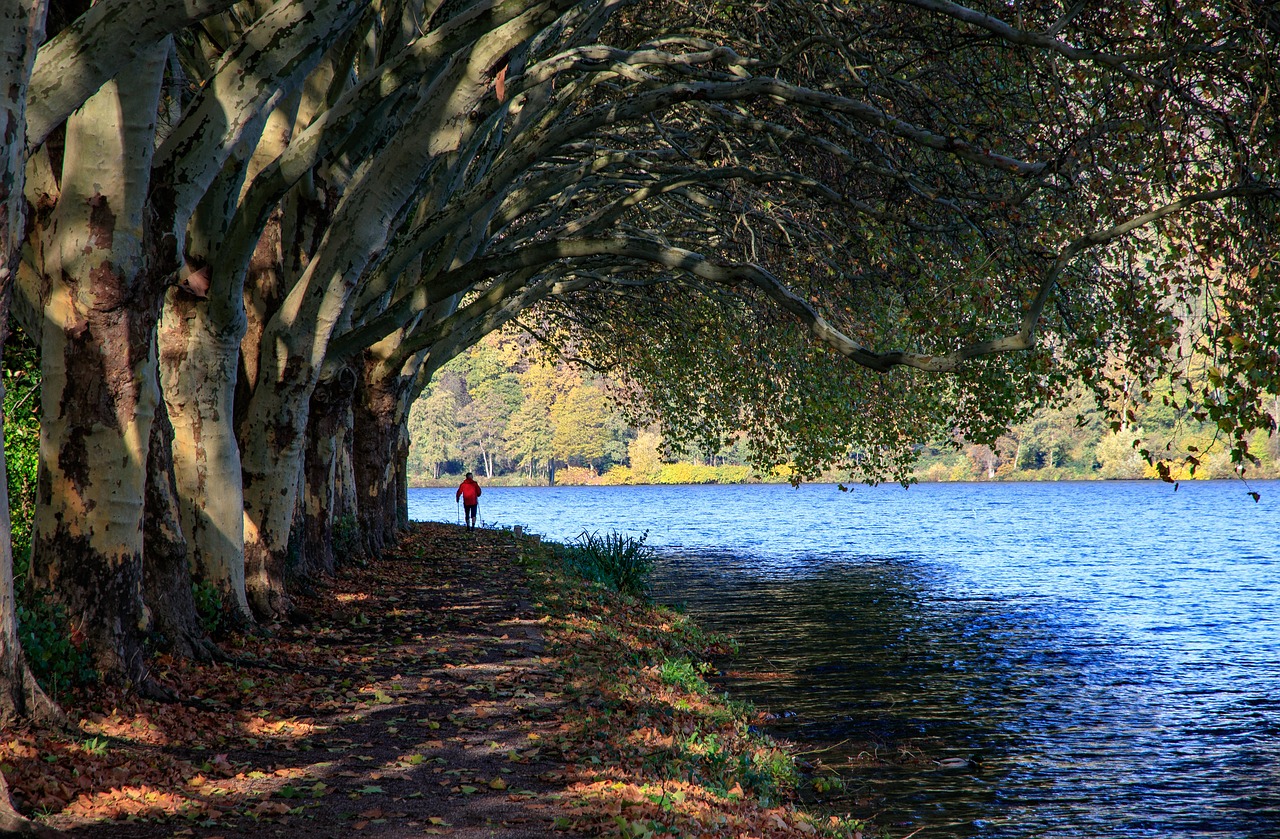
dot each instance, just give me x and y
(511, 414)
(1075, 442)
(502, 411)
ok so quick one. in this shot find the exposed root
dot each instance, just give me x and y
(13, 823)
(40, 708)
(149, 688)
(198, 647)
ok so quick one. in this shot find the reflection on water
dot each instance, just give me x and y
(1078, 660)
(1066, 732)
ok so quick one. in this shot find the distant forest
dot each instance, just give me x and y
(514, 418)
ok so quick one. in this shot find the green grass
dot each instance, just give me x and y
(683, 673)
(615, 560)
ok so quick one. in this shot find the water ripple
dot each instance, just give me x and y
(1100, 660)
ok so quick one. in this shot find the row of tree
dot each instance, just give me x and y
(243, 236)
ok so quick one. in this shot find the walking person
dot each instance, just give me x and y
(469, 492)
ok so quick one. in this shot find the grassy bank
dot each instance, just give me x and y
(651, 748)
(466, 685)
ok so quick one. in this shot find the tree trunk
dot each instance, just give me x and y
(322, 513)
(270, 497)
(378, 454)
(21, 29)
(402, 475)
(166, 576)
(99, 366)
(198, 365)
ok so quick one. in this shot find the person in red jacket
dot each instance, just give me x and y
(469, 492)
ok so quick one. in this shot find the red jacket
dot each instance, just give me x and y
(469, 492)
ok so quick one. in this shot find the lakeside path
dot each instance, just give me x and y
(461, 686)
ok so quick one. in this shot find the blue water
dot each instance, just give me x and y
(1103, 657)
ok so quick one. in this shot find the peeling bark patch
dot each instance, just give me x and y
(73, 462)
(102, 224)
(264, 581)
(44, 486)
(176, 332)
(285, 432)
(105, 363)
(88, 398)
(102, 594)
(109, 286)
(293, 369)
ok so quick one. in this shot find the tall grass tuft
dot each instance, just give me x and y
(616, 560)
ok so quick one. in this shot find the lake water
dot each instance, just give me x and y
(1102, 658)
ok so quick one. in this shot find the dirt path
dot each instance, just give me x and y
(413, 703)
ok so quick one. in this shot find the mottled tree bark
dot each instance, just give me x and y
(379, 412)
(198, 363)
(21, 28)
(98, 45)
(166, 576)
(321, 507)
(98, 361)
(402, 472)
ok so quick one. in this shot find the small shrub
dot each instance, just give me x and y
(620, 562)
(346, 539)
(52, 649)
(770, 773)
(209, 606)
(96, 746)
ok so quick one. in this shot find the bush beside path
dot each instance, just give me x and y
(461, 686)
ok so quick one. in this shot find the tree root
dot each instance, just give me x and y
(198, 647)
(149, 688)
(13, 823)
